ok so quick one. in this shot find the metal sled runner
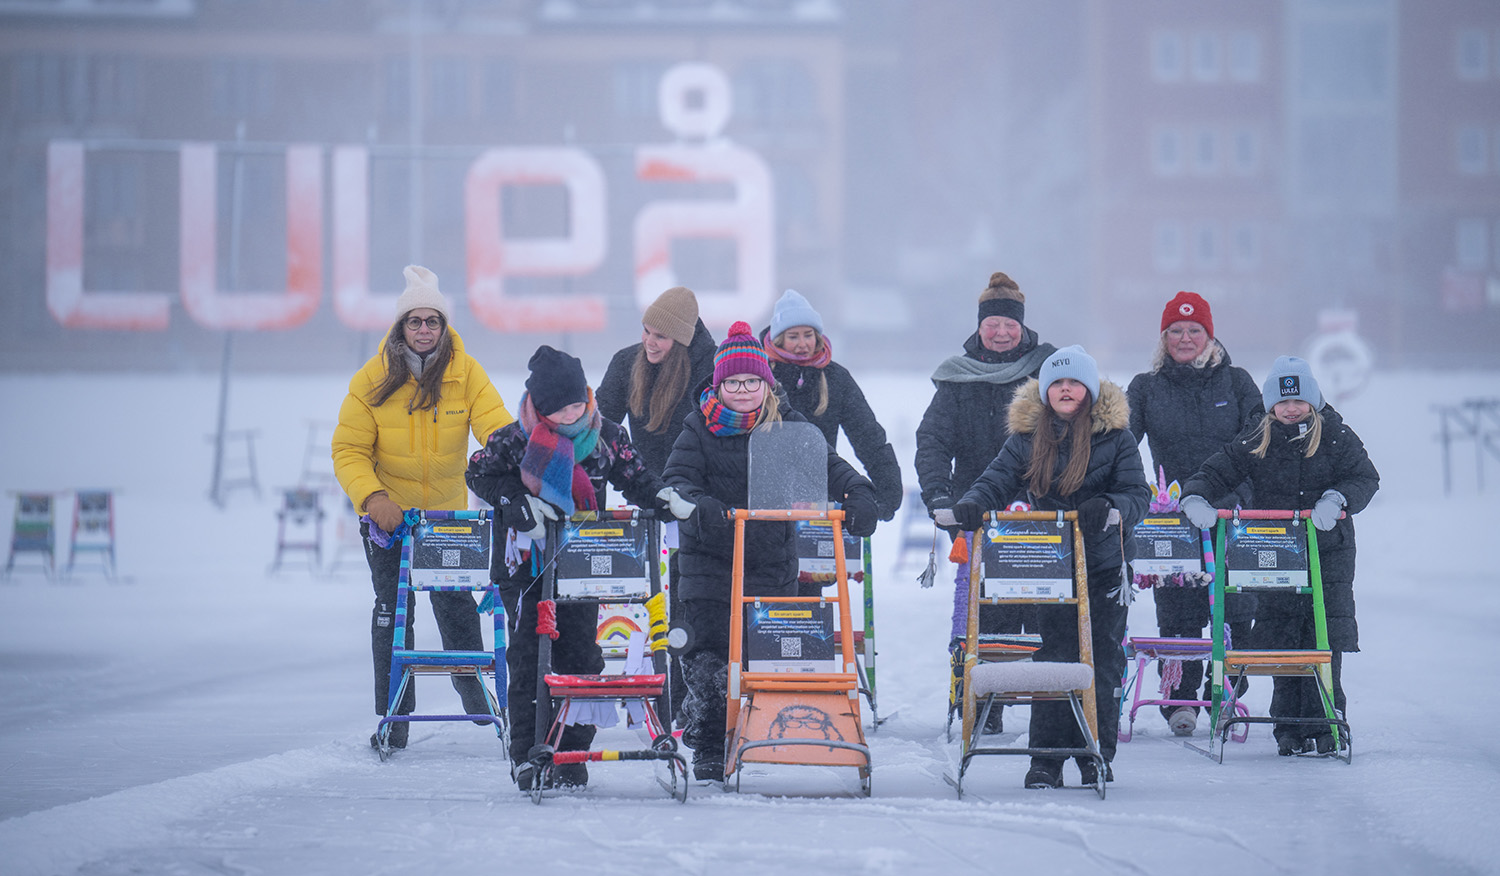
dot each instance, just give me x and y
(1022, 537)
(584, 553)
(465, 534)
(1279, 530)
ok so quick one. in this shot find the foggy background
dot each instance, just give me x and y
(1328, 164)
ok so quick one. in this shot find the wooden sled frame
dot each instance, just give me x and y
(407, 664)
(1318, 663)
(814, 707)
(1009, 682)
(560, 692)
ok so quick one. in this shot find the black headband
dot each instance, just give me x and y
(1007, 307)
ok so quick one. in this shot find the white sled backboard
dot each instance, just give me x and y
(788, 467)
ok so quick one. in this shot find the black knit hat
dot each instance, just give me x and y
(556, 380)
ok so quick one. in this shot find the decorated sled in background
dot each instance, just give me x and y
(445, 550)
(1270, 551)
(606, 558)
(794, 678)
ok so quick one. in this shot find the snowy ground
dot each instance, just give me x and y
(203, 716)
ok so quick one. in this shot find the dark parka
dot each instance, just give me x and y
(712, 471)
(847, 408)
(1286, 480)
(1187, 414)
(613, 396)
(966, 423)
(1114, 470)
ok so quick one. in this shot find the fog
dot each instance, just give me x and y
(180, 172)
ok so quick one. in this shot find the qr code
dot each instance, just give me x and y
(825, 548)
(450, 558)
(1163, 547)
(791, 646)
(1267, 559)
(601, 564)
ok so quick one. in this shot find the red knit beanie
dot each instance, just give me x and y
(1188, 307)
(741, 353)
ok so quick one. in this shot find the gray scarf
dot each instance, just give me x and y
(965, 369)
(414, 362)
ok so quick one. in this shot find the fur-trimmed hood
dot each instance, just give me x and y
(1110, 411)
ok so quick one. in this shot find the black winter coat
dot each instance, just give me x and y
(1286, 480)
(848, 409)
(713, 472)
(1114, 471)
(613, 397)
(965, 424)
(1187, 414)
(495, 473)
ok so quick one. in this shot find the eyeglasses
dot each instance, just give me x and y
(416, 322)
(749, 384)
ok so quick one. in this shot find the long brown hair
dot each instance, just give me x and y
(429, 385)
(657, 389)
(1044, 444)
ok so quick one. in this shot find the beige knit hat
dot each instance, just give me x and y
(421, 291)
(674, 313)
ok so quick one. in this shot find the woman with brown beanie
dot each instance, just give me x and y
(965, 426)
(402, 442)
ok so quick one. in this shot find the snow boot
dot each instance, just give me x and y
(476, 702)
(1088, 772)
(1324, 743)
(1044, 774)
(525, 775)
(399, 731)
(994, 724)
(1184, 721)
(1286, 746)
(708, 767)
(571, 775)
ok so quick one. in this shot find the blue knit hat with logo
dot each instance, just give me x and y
(1291, 378)
(1070, 362)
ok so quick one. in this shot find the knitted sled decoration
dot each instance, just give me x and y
(1166, 499)
(828, 577)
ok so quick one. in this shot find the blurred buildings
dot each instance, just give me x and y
(1292, 161)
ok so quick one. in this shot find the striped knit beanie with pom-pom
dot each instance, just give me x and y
(1002, 297)
(741, 353)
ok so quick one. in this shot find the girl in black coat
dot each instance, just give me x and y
(709, 466)
(1301, 455)
(826, 394)
(1068, 452)
(1191, 403)
(552, 462)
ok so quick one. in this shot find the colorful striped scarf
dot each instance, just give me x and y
(550, 466)
(720, 419)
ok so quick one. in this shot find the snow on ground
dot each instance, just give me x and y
(204, 716)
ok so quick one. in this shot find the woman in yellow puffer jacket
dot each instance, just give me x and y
(402, 441)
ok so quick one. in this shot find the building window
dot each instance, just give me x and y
(635, 88)
(241, 87)
(1166, 152)
(1166, 56)
(1244, 247)
(1245, 151)
(1206, 246)
(1166, 246)
(1473, 58)
(499, 90)
(1207, 57)
(114, 87)
(39, 85)
(1473, 150)
(775, 91)
(1244, 56)
(397, 100)
(448, 88)
(1472, 245)
(1205, 152)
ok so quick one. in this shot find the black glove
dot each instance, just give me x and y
(1093, 515)
(515, 513)
(860, 512)
(709, 517)
(968, 515)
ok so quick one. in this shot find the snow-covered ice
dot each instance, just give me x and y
(204, 716)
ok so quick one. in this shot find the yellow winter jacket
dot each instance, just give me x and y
(418, 458)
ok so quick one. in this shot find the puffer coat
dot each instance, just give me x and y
(613, 395)
(417, 457)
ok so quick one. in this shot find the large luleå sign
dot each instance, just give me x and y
(694, 105)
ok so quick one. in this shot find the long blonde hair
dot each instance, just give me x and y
(1313, 436)
(1044, 444)
(822, 407)
(770, 409)
(656, 390)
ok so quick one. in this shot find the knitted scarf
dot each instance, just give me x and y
(817, 360)
(720, 419)
(550, 467)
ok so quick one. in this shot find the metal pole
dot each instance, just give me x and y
(216, 492)
(414, 86)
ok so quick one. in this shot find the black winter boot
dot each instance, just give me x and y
(1088, 772)
(1044, 774)
(398, 730)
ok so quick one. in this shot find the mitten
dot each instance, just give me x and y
(1093, 514)
(968, 516)
(1326, 512)
(673, 503)
(1199, 512)
(386, 513)
(860, 512)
